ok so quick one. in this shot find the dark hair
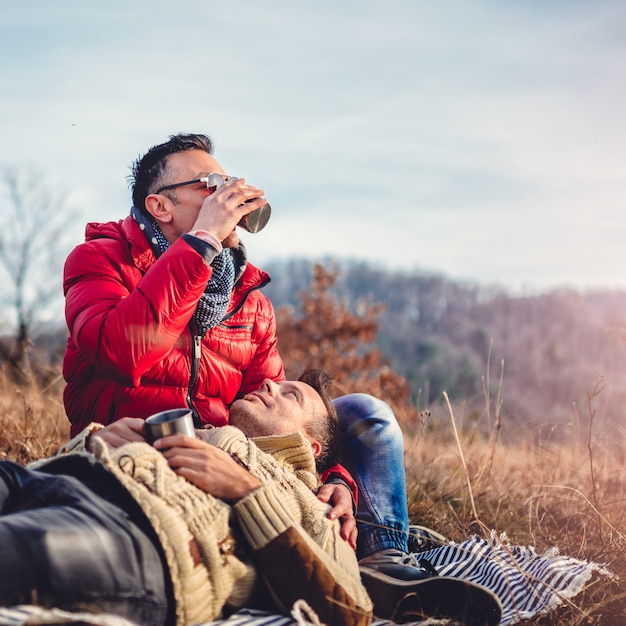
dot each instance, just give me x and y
(147, 172)
(323, 427)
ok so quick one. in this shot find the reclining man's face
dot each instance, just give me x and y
(276, 409)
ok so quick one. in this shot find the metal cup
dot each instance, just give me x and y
(169, 423)
(256, 220)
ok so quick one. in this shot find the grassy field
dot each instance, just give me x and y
(459, 482)
(32, 419)
(539, 493)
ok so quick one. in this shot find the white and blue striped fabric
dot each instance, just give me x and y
(250, 617)
(35, 615)
(527, 583)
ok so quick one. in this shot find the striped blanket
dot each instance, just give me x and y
(33, 615)
(527, 583)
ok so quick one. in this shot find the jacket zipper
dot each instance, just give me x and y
(196, 354)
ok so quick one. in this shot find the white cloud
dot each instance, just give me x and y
(479, 138)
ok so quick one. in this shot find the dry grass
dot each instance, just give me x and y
(32, 419)
(538, 493)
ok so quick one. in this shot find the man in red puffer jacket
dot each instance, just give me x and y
(164, 310)
(135, 347)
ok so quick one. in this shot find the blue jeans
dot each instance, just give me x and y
(62, 545)
(375, 458)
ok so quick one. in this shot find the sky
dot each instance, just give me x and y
(481, 140)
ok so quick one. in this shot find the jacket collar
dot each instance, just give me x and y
(127, 231)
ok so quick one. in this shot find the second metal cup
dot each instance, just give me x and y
(169, 422)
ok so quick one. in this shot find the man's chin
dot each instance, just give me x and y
(240, 414)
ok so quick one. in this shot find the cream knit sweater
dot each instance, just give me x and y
(227, 537)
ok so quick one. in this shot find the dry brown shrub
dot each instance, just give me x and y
(326, 333)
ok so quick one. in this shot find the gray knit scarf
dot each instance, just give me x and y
(214, 301)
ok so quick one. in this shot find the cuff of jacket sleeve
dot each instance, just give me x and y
(202, 247)
(335, 479)
(207, 237)
(262, 516)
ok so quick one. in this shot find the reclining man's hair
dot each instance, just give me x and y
(148, 171)
(323, 427)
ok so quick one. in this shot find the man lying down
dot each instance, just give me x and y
(189, 529)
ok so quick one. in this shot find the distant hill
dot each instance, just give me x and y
(440, 335)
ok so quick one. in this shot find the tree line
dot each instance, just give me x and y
(405, 337)
(547, 356)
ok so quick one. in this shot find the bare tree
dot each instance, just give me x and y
(34, 222)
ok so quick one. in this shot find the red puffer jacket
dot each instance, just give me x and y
(131, 349)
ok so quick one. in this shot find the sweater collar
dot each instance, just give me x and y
(293, 449)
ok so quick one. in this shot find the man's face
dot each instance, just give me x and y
(183, 166)
(276, 409)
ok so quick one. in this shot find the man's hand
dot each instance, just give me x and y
(207, 467)
(126, 430)
(222, 210)
(340, 498)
